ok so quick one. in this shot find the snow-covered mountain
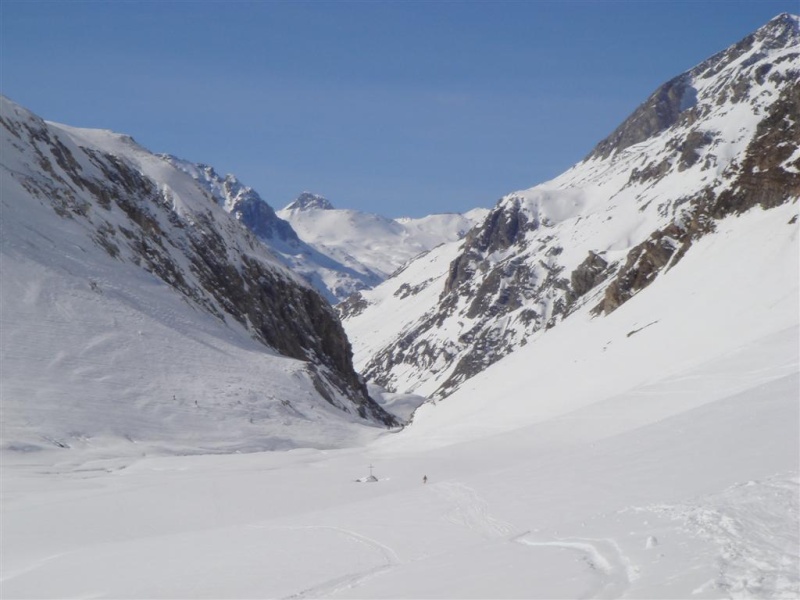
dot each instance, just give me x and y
(369, 241)
(642, 447)
(134, 308)
(718, 141)
(333, 278)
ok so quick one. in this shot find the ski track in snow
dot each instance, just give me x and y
(349, 580)
(757, 554)
(603, 556)
(470, 510)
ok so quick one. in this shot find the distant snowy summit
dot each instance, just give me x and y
(309, 201)
(370, 241)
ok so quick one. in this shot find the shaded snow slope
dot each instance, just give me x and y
(717, 141)
(135, 310)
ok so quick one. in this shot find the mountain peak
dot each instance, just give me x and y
(309, 201)
(783, 20)
(723, 78)
(780, 31)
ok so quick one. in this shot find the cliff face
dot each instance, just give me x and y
(716, 141)
(140, 210)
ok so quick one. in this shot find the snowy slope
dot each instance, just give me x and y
(380, 244)
(136, 313)
(719, 140)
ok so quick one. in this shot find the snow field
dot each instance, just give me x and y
(525, 516)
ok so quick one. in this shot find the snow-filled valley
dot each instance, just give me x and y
(653, 453)
(184, 417)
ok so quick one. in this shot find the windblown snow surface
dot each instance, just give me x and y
(649, 453)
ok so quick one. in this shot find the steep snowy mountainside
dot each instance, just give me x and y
(134, 308)
(724, 321)
(380, 244)
(722, 139)
(334, 278)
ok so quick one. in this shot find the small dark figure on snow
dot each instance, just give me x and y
(424, 479)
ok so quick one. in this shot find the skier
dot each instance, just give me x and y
(424, 479)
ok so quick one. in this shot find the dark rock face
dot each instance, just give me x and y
(282, 313)
(590, 273)
(503, 227)
(659, 111)
(690, 146)
(643, 264)
(492, 292)
(766, 178)
(354, 305)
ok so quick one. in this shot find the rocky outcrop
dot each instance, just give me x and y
(503, 227)
(255, 214)
(590, 273)
(661, 110)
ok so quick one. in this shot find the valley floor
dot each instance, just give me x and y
(641, 495)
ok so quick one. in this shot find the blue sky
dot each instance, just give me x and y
(399, 108)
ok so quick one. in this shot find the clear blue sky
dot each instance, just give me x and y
(399, 108)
